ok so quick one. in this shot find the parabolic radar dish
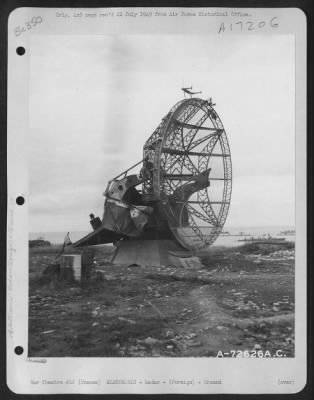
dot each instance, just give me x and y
(182, 190)
(190, 146)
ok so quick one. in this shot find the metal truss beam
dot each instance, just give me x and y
(192, 153)
(198, 127)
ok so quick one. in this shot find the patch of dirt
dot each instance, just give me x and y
(231, 303)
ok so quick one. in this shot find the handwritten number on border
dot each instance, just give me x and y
(247, 25)
(18, 30)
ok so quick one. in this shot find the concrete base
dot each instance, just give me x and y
(153, 253)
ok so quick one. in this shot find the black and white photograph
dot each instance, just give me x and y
(184, 257)
(161, 200)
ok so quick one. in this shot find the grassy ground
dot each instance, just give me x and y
(236, 299)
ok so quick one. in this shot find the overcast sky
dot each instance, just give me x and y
(94, 101)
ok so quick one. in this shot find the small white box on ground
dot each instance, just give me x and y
(73, 263)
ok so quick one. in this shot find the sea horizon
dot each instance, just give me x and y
(57, 237)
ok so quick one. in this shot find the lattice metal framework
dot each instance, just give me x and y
(184, 144)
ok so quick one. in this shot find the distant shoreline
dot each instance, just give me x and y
(228, 238)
